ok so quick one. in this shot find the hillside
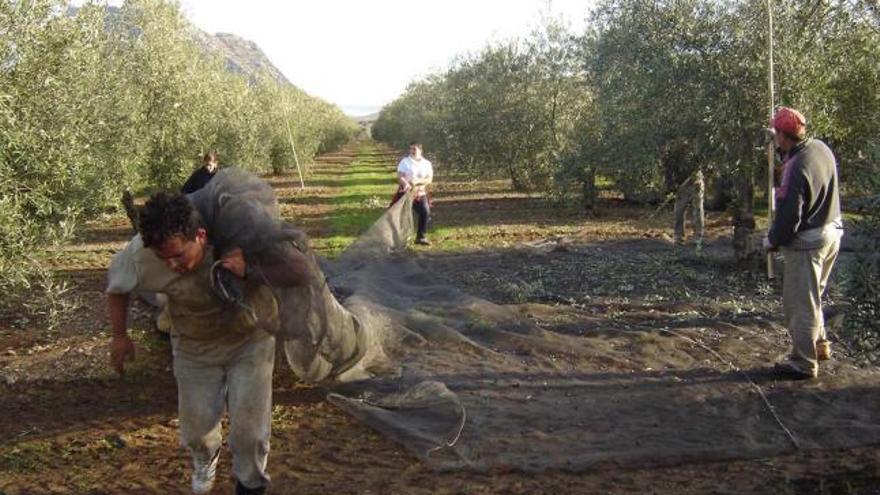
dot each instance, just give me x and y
(242, 56)
(366, 118)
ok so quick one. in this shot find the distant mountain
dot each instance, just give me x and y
(367, 118)
(242, 56)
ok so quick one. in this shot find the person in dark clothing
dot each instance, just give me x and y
(204, 174)
(808, 228)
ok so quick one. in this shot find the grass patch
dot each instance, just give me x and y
(365, 193)
(362, 190)
(26, 457)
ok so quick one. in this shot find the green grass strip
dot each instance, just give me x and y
(366, 191)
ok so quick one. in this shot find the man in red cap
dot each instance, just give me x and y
(807, 228)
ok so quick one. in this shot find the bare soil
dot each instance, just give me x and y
(69, 425)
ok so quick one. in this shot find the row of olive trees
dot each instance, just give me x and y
(102, 100)
(645, 77)
(650, 77)
(696, 70)
(511, 109)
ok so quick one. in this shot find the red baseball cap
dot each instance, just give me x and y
(789, 121)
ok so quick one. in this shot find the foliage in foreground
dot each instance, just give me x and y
(101, 100)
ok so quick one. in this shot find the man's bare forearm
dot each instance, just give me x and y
(401, 179)
(118, 307)
(121, 347)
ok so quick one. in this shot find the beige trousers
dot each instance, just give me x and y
(238, 379)
(805, 277)
(690, 197)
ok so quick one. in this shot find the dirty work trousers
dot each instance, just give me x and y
(689, 196)
(237, 378)
(805, 277)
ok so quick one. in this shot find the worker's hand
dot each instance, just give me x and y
(234, 262)
(768, 246)
(121, 350)
(407, 186)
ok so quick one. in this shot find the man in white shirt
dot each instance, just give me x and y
(414, 173)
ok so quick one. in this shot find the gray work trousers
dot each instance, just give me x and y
(689, 196)
(239, 379)
(805, 277)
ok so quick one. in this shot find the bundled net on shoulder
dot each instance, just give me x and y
(321, 339)
(465, 383)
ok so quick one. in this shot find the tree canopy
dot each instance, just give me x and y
(98, 100)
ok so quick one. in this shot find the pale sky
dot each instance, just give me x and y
(361, 54)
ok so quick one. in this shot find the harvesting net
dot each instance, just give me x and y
(462, 382)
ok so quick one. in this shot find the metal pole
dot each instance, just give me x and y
(286, 99)
(302, 184)
(771, 199)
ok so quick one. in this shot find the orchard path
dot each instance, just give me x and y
(69, 425)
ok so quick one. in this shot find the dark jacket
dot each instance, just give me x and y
(197, 180)
(679, 164)
(812, 198)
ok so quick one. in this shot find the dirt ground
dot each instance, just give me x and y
(69, 425)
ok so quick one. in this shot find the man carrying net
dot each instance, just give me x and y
(234, 273)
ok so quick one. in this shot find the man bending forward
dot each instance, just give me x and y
(223, 350)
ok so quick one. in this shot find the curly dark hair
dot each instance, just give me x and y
(168, 214)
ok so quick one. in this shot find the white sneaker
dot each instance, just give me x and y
(203, 475)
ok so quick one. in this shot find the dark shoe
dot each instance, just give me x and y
(243, 490)
(823, 350)
(791, 371)
(423, 242)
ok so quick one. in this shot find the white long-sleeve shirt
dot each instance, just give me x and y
(420, 171)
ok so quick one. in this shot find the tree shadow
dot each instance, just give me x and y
(631, 268)
(96, 235)
(349, 181)
(354, 198)
(54, 408)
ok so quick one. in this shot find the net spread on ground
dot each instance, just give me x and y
(462, 382)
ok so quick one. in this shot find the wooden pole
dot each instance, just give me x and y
(771, 199)
(302, 184)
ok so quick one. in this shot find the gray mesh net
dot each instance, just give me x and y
(462, 382)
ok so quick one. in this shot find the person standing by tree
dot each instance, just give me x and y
(415, 173)
(202, 175)
(223, 352)
(807, 227)
(685, 177)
